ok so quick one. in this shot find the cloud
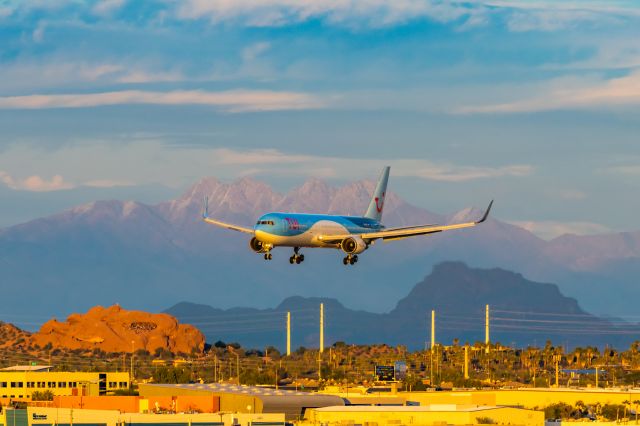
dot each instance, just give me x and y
(272, 160)
(38, 33)
(551, 229)
(35, 183)
(107, 7)
(630, 170)
(231, 101)
(621, 91)
(376, 13)
(249, 53)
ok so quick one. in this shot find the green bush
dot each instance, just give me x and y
(46, 395)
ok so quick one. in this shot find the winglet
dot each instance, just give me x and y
(205, 210)
(486, 214)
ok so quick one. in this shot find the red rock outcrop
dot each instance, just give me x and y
(11, 336)
(114, 329)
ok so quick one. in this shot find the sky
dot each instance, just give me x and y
(535, 104)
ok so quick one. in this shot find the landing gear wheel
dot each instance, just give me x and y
(345, 261)
(352, 261)
(298, 260)
(291, 260)
(270, 256)
(355, 259)
(301, 258)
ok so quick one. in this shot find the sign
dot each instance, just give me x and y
(400, 368)
(385, 373)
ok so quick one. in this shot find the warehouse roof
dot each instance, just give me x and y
(411, 408)
(236, 389)
(292, 403)
(27, 368)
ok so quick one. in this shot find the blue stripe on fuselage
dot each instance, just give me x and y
(292, 224)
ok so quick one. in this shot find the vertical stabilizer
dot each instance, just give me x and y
(377, 201)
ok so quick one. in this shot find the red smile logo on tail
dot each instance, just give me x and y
(380, 203)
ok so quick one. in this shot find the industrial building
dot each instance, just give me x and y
(246, 399)
(19, 382)
(424, 415)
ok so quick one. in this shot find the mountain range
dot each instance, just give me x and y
(149, 256)
(522, 312)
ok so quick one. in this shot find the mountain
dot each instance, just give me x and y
(521, 312)
(148, 256)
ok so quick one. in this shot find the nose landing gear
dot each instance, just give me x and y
(268, 256)
(296, 258)
(350, 259)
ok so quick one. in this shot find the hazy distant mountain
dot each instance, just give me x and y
(148, 256)
(522, 312)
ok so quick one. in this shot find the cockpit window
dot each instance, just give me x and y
(265, 222)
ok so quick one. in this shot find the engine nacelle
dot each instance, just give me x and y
(353, 245)
(256, 245)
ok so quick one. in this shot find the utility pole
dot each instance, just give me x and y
(321, 327)
(556, 358)
(238, 367)
(597, 376)
(486, 329)
(288, 333)
(131, 373)
(215, 369)
(466, 362)
(433, 328)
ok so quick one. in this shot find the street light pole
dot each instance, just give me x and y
(238, 367)
(131, 373)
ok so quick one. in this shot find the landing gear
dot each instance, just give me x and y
(296, 258)
(350, 259)
(268, 256)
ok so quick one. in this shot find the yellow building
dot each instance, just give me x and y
(526, 397)
(83, 417)
(423, 415)
(19, 382)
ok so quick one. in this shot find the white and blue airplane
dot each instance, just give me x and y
(352, 235)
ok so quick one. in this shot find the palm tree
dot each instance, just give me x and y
(636, 402)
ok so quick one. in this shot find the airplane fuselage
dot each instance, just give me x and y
(303, 230)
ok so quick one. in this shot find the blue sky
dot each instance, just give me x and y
(534, 103)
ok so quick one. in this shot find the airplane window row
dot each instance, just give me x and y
(266, 222)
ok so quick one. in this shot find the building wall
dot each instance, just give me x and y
(528, 398)
(512, 416)
(19, 385)
(227, 401)
(126, 404)
(82, 417)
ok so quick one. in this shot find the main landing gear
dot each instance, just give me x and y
(296, 258)
(350, 259)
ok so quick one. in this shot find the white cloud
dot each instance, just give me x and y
(377, 13)
(231, 101)
(552, 229)
(38, 33)
(107, 7)
(251, 52)
(272, 160)
(35, 183)
(565, 94)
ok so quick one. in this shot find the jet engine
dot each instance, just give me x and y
(256, 245)
(353, 245)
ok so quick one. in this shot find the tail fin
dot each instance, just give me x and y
(377, 202)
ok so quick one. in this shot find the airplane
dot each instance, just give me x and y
(352, 235)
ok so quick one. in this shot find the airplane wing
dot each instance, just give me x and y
(207, 219)
(400, 233)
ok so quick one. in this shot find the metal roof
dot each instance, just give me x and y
(236, 389)
(27, 368)
(410, 408)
